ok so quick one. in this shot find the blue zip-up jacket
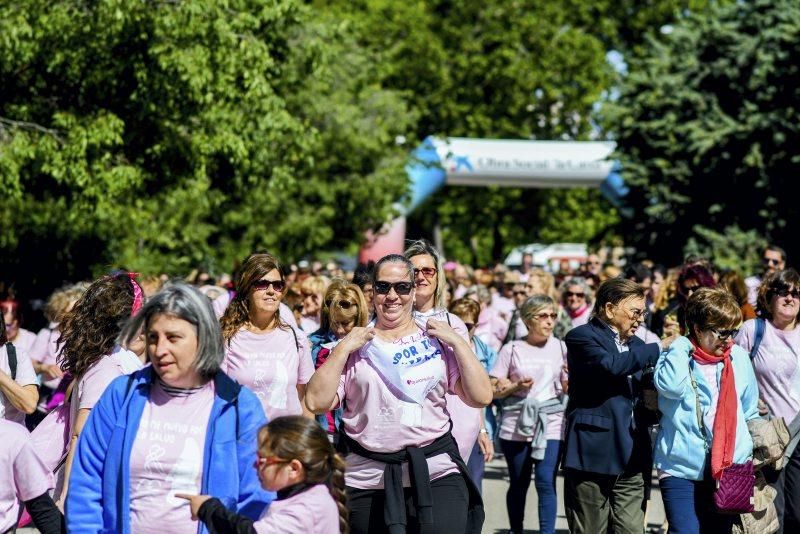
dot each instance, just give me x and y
(679, 444)
(317, 339)
(98, 499)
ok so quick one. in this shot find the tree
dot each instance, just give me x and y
(161, 134)
(705, 128)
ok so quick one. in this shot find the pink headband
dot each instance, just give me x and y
(137, 294)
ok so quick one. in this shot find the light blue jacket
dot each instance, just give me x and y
(680, 450)
(98, 500)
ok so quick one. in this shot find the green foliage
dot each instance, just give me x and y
(706, 126)
(161, 134)
(732, 248)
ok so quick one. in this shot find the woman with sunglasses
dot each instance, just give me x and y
(391, 380)
(429, 303)
(179, 425)
(776, 361)
(707, 394)
(577, 298)
(262, 351)
(529, 375)
(343, 308)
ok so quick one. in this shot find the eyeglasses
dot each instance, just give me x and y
(545, 316)
(770, 261)
(725, 334)
(427, 272)
(469, 326)
(266, 461)
(794, 293)
(343, 304)
(401, 288)
(569, 294)
(592, 263)
(637, 315)
(262, 285)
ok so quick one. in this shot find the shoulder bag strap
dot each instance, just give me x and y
(11, 352)
(698, 409)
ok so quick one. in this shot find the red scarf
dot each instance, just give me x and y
(577, 312)
(724, 441)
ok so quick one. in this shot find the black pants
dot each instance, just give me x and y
(787, 501)
(450, 499)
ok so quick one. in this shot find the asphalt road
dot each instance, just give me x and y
(495, 485)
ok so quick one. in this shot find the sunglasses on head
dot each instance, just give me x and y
(427, 272)
(725, 334)
(277, 285)
(343, 304)
(401, 288)
(786, 292)
(571, 294)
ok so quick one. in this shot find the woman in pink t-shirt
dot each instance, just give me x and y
(777, 368)
(262, 352)
(391, 380)
(429, 303)
(296, 460)
(88, 340)
(529, 375)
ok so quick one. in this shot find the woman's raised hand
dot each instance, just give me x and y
(357, 338)
(443, 332)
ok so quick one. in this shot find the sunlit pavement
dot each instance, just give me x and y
(495, 485)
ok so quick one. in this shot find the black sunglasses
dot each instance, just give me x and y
(520, 292)
(277, 285)
(726, 334)
(343, 304)
(770, 261)
(795, 293)
(568, 294)
(401, 288)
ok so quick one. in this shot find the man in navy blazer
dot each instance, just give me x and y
(607, 453)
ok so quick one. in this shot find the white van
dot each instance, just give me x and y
(549, 257)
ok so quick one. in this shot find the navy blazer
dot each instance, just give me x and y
(604, 385)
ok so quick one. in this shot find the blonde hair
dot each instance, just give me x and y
(334, 313)
(315, 285)
(546, 281)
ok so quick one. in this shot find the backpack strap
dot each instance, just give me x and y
(11, 351)
(761, 327)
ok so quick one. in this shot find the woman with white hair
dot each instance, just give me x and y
(577, 298)
(179, 425)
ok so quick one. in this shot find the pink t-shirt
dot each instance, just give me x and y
(95, 381)
(25, 340)
(519, 360)
(380, 420)
(491, 328)
(167, 458)
(313, 511)
(776, 367)
(45, 350)
(466, 419)
(309, 324)
(272, 366)
(25, 377)
(23, 475)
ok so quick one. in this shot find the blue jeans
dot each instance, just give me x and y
(520, 466)
(476, 466)
(689, 505)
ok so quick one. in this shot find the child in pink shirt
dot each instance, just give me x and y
(295, 459)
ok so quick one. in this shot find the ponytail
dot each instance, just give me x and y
(336, 487)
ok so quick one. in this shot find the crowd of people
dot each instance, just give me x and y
(283, 398)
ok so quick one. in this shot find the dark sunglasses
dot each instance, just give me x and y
(469, 326)
(401, 288)
(794, 293)
(571, 294)
(725, 334)
(343, 304)
(543, 316)
(770, 261)
(687, 290)
(277, 285)
(427, 272)
(520, 293)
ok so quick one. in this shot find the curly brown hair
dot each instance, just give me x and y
(237, 314)
(772, 283)
(90, 330)
(295, 437)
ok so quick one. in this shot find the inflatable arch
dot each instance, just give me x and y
(506, 163)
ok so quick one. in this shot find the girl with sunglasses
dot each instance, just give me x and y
(776, 361)
(262, 351)
(529, 376)
(296, 460)
(343, 308)
(391, 379)
(707, 393)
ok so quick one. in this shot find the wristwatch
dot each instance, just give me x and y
(483, 431)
